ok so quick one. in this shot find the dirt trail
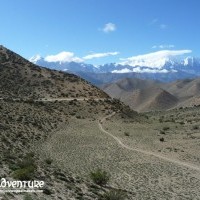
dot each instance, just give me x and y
(188, 165)
(70, 99)
(62, 99)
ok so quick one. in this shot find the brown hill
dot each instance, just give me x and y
(151, 98)
(123, 87)
(135, 92)
(20, 78)
(127, 89)
(184, 89)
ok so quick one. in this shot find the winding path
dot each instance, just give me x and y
(71, 99)
(188, 165)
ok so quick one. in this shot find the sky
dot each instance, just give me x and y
(100, 31)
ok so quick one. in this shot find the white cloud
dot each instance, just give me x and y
(140, 70)
(154, 21)
(63, 57)
(109, 27)
(153, 60)
(163, 46)
(125, 70)
(66, 56)
(163, 26)
(99, 55)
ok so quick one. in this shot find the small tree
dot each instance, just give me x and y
(100, 177)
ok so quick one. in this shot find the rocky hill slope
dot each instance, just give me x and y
(20, 78)
(28, 120)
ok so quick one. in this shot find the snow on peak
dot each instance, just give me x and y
(35, 58)
(154, 60)
(190, 61)
(141, 70)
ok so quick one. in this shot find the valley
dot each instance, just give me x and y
(99, 100)
(59, 128)
(147, 95)
(132, 152)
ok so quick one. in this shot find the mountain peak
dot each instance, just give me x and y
(190, 61)
(35, 58)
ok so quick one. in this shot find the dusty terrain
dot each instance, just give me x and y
(132, 152)
(58, 128)
(35, 103)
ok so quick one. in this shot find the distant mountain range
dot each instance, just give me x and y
(165, 70)
(146, 95)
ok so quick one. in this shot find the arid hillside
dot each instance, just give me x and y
(35, 104)
(146, 95)
(151, 98)
(93, 147)
(19, 78)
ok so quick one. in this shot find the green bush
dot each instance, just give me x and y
(100, 177)
(114, 195)
(24, 173)
(25, 168)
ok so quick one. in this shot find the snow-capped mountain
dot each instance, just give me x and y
(164, 69)
(162, 65)
(71, 66)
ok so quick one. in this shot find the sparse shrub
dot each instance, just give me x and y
(47, 191)
(114, 195)
(9, 156)
(100, 177)
(48, 161)
(162, 139)
(24, 173)
(27, 197)
(13, 167)
(4, 139)
(26, 168)
(173, 120)
(195, 127)
(165, 128)
(162, 132)
(27, 161)
(181, 122)
(126, 134)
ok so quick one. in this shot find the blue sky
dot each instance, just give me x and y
(112, 29)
